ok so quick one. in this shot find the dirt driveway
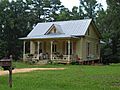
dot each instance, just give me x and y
(28, 70)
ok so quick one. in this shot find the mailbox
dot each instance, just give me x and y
(7, 65)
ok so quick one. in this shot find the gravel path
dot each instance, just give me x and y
(27, 70)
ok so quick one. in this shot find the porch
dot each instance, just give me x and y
(58, 51)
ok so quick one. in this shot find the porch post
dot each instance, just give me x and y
(68, 51)
(72, 49)
(51, 49)
(32, 47)
(24, 50)
(38, 49)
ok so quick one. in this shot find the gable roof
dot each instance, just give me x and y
(67, 29)
(73, 27)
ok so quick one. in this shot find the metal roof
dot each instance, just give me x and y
(73, 27)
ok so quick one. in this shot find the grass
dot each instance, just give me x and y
(74, 77)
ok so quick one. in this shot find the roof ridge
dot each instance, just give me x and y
(64, 21)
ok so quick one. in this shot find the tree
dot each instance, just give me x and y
(75, 14)
(3, 45)
(110, 30)
(64, 15)
(14, 25)
(89, 8)
(17, 18)
(113, 11)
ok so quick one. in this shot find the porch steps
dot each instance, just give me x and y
(42, 62)
(60, 61)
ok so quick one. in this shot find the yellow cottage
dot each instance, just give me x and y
(63, 42)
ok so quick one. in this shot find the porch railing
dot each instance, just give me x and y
(27, 57)
(58, 58)
(63, 58)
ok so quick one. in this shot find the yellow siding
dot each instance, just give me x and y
(78, 48)
(83, 48)
(93, 39)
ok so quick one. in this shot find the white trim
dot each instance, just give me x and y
(24, 50)
(38, 48)
(69, 50)
(51, 49)
(72, 48)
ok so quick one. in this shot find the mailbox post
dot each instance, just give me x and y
(10, 72)
(7, 65)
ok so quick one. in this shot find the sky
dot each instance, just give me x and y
(70, 3)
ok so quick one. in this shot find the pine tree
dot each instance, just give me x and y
(89, 8)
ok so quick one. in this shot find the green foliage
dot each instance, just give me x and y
(64, 15)
(108, 24)
(2, 48)
(74, 77)
(17, 18)
(89, 8)
(75, 14)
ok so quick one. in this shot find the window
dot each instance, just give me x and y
(40, 48)
(88, 49)
(71, 47)
(88, 32)
(27, 44)
(52, 31)
(97, 48)
(54, 47)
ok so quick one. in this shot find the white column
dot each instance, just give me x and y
(32, 47)
(31, 44)
(24, 50)
(38, 48)
(72, 48)
(81, 55)
(68, 50)
(51, 48)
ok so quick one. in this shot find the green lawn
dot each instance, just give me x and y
(74, 77)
